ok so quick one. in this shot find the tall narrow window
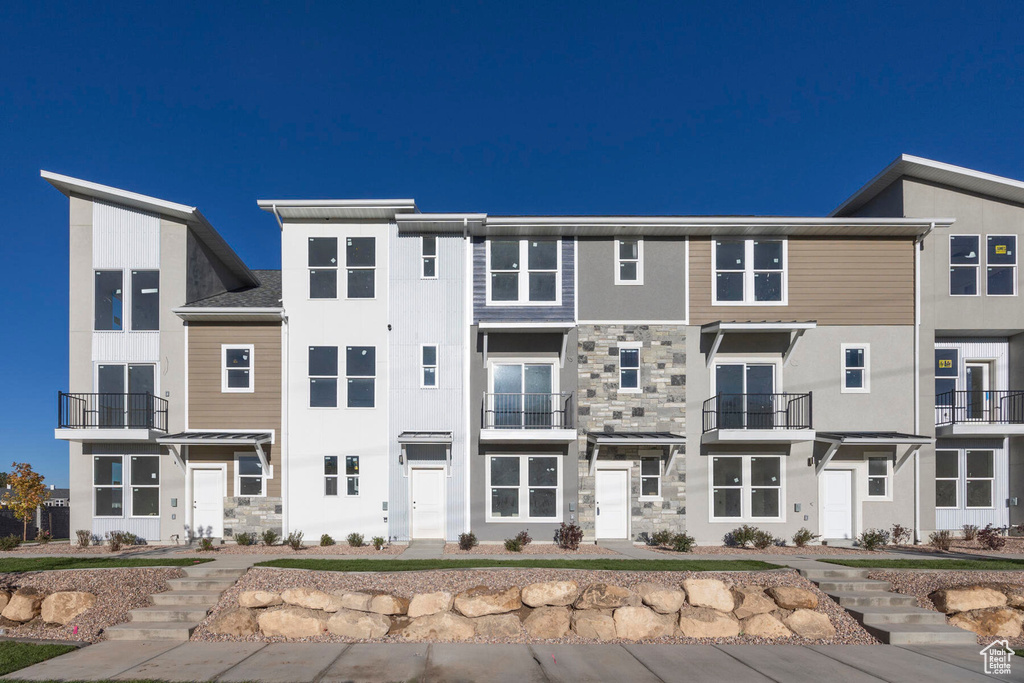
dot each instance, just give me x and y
(727, 479)
(749, 271)
(352, 475)
(428, 250)
(980, 477)
(947, 369)
(537, 283)
(237, 368)
(629, 261)
(855, 368)
(109, 300)
(249, 476)
(650, 477)
(878, 477)
(330, 475)
(504, 270)
(1002, 265)
(947, 479)
(964, 260)
(323, 376)
(323, 267)
(108, 486)
(145, 474)
(629, 368)
(145, 300)
(361, 261)
(360, 371)
(429, 362)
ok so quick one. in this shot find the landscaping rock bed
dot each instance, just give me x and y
(285, 550)
(771, 550)
(58, 548)
(528, 605)
(531, 549)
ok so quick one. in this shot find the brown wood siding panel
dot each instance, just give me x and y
(226, 455)
(833, 281)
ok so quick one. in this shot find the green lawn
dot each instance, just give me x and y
(36, 564)
(15, 655)
(621, 565)
(994, 564)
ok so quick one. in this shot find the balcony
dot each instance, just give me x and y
(110, 417)
(528, 417)
(980, 413)
(756, 418)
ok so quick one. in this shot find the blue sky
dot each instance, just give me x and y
(637, 108)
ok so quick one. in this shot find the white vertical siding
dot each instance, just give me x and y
(996, 349)
(125, 347)
(124, 238)
(999, 516)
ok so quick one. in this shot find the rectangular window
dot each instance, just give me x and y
(323, 376)
(1002, 265)
(749, 271)
(428, 359)
(964, 260)
(108, 485)
(747, 488)
(878, 477)
(524, 395)
(947, 479)
(145, 477)
(428, 253)
(237, 368)
(323, 267)
(629, 261)
(629, 367)
(650, 477)
(538, 500)
(855, 368)
(361, 261)
(249, 476)
(330, 475)
(360, 370)
(947, 369)
(145, 299)
(508, 282)
(109, 300)
(980, 478)
(352, 475)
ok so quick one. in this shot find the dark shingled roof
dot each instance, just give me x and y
(267, 295)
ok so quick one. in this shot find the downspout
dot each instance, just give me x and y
(285, 497)
(467, 321)
(277, 216)
(918, 244)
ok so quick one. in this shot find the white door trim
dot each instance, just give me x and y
(626, 465)
(189, 467)
(855, 497)
(444, 496)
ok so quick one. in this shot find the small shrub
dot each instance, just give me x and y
(741, 536)
(900, 534)
(326, 540)
(683, 543)
(118, 539)
(467, 541)
(84, 538)
(763, 539)
(270, 537)
(356, 540)
(43, 537)
(663, 537)
(378, 542)
(9, 542)
(991, 537)
(245, 538)
(294, 540)
(524, 538)
(514, 545)
(943, 540)
(803, 537)
(568, 536)
(970, 532)
(206, 544)
(870, 539)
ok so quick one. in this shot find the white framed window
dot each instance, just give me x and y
(108, 485)
(856, 359)
(749, 272)
(979, 479)
(747, 488)
(650, 478)
(964, 261)
(351, 475)
(322, 261)
(361, 264)
(947, 479)
(629, 367)
(524, 488)
(1001, 265)
(524, 395)
(250, 479)
(524, 272)
(878, 477)
(428, 366)
(145, 300)
(428, 257)
(237, 368)
(145, 481)
(108, 301)
(629, 261)
(360, 374)
(323, 376)
(330, 475)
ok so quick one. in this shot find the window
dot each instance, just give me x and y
(855, 368)
(361, 260)
(745, 395)
(629, 367)
(249, 476)
(428, 358)
(947, 479)
(947, 369)
(360, 370)
(428, 252)
(323, 267)
(878, 477)
(540, 498)
(145, 476)
(330, 475)
(964, 260)
(629, 262)
(108, 486)
(352, 475)
(1002, 265)
(650, 477)
(747, 487)
(524, 395)
(145, 299)
(508, 282)
(323, 376)
(117, 408)
(109, 301)
(236, 368)
(980, 478)
(749, 271)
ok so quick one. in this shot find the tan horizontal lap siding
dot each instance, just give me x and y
(226, 455)
(833, 281)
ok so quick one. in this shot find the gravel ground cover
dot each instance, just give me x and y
(406, 584)
(285, 550)
(773, 550)
(1014, 546)
(72, 549)
(117, 591)
(531, 549)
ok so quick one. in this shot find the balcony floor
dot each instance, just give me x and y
(979, 428)
(528, 435)
(758, 435)
(96, 434)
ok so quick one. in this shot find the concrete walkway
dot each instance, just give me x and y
(539, 663)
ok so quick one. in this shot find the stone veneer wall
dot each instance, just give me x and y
(660, 407)
(251, 515)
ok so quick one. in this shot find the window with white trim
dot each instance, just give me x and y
(330, 475)
(749, 271)
(323, 267)
(964, 261)
(524, 488)
(351, 475)
(746, 487)
(523, 272)
(237, 368)
(145, 478)
(323, 376)
(428, 257)
(108, 298)
(1001, 271)
(856, 358)
(979, 479)
(878, 477)
(629, 367)
(629, 261)
(428, 361)
(250, 479)
(108, 485)
(361, 262)
(650, 477)
(145, 300)
(360, 373)
(947, 479)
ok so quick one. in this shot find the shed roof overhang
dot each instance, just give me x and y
(795, 329)
(232, 314)
(304, 210)
(219, 437)
(526, 326)
(595, 440)
(835, 440)
(425, 437)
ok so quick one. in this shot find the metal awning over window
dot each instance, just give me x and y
(219, 438)
(425, 437)
(896, 439)
(795, 329)
(597, 440)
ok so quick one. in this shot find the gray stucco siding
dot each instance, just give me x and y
(662, 296)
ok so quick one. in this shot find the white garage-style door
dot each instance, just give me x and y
(612, 499)
(427, 487)
(837, 507)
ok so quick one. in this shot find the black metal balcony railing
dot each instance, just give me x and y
(758, 411)
(528, 411)
(111, 411)
(1005, 406)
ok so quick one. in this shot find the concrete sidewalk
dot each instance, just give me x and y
(541, 663)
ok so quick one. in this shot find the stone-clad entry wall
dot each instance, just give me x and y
(251, 515)
(660, 407)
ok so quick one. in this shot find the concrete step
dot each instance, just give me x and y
(845, 586)
(871, 598)
(921, 634)
(815, 574)
(189, 584)
(206, 598)
(169, 613)
(205, 571)
(156, 630)
(881, 615)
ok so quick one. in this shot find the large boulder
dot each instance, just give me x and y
(550, 593)
(791, 597)
(638, 623)
(966, 599)
(764, 626)
(62, 607)
(594, 624)
(810, 624)
(709, 593)
(481, 601)
(361, 625)
(389, 604)
(990, 621)
(259, 599)
(661, 598)
(498, 626)
(310, 598)
(423, 604)
(704, 622)
(235, 622)
(445, 626)
(293, 622)
(604, 596)
(354, 600)
(24, 605)
(547, 622)
(5, 597)
(1014, 592)
(751, 600)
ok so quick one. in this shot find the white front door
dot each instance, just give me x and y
(612, 500)
(427, 502)
(208, 503)
(838, 504)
